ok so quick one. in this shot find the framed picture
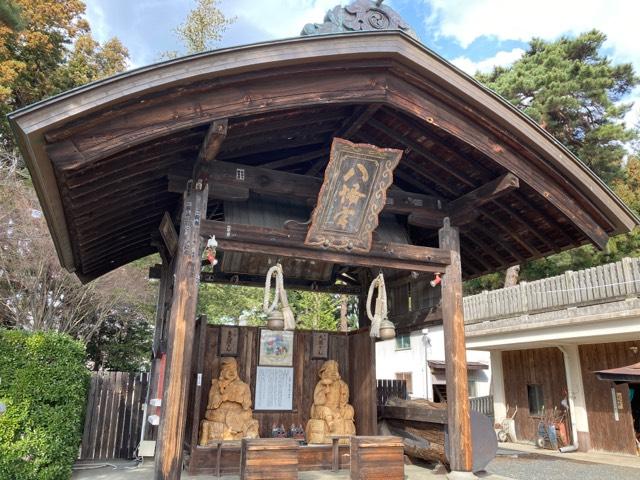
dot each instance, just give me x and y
(319, 345)
(228, 341)
(276, 348)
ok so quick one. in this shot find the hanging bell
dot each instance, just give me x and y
(387, 330)
(275, 320)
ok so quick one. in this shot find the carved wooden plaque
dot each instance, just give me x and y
(320, 345)
(353, 193)
(168, 234)
(228, 341)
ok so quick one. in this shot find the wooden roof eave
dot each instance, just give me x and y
(31, 123)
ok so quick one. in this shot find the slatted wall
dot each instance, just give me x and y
(114, 415)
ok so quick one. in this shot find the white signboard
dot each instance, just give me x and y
(274, 388)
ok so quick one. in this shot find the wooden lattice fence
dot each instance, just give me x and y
(114, 415)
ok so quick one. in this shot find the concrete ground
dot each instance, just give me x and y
(514, 461)
(523, 462)
(128, 471)
(629, 461)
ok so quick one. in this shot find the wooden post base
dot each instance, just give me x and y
(269, 458)
(377, 458)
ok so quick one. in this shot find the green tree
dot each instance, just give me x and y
(123, 342)
(35, 54)
(230, 304)
(203, 28)
(10, 15)
(315, 311)
(573, 91)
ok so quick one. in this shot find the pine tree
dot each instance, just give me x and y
(573, 91)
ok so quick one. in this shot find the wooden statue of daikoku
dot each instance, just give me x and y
(228, 415)
(331, 413)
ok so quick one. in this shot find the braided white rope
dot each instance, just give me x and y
(380, 312)
(280, 294)
(267, 289)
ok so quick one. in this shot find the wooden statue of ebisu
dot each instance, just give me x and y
(331, 413)
(228, 415)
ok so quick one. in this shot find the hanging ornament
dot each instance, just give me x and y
(283, 318)
(210, 251)
(381, 326)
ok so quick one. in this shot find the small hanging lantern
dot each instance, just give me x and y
(381, 326)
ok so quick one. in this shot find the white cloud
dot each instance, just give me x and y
(500, 59)
(632, 118)
(280, 18)
(467, 20)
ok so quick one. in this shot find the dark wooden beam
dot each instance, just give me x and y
(168, 458)
(464, 208)
(296, 159)
(290, 243)
(257, 281)
(213, 141)
(455, 356)
(232, 179)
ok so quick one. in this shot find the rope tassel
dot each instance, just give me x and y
(380, 312)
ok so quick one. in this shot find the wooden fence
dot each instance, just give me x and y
(114, 417)
(606, 283)
(483, 405)
(386, 389)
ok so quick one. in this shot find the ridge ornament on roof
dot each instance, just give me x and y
(361, 15)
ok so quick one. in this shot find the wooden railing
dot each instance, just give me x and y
(606, 283)
(386, 389)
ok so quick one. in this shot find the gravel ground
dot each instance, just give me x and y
(527, 466)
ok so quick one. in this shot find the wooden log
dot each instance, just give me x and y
(168, 457)
(420, 439)
(460, 455)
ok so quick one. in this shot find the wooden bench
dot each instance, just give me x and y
(374, 458)
(269, 458)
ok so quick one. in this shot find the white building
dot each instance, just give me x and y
(418, 358)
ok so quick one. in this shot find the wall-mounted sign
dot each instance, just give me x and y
(319, 345)
(274, 388)
(228, 341)
(352, 196)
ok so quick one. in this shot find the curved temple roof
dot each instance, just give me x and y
(104, 157)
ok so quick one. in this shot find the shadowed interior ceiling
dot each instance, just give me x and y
(108, 159)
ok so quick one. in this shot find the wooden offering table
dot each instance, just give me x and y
(269, 458)
(374, 458)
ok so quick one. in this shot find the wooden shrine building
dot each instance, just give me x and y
(235, 142)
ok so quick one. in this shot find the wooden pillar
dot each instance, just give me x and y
(153, 392)
(455, 354)
(168, 460)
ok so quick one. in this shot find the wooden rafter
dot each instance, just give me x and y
(348, 128)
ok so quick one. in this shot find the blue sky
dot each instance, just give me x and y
(473, 34)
